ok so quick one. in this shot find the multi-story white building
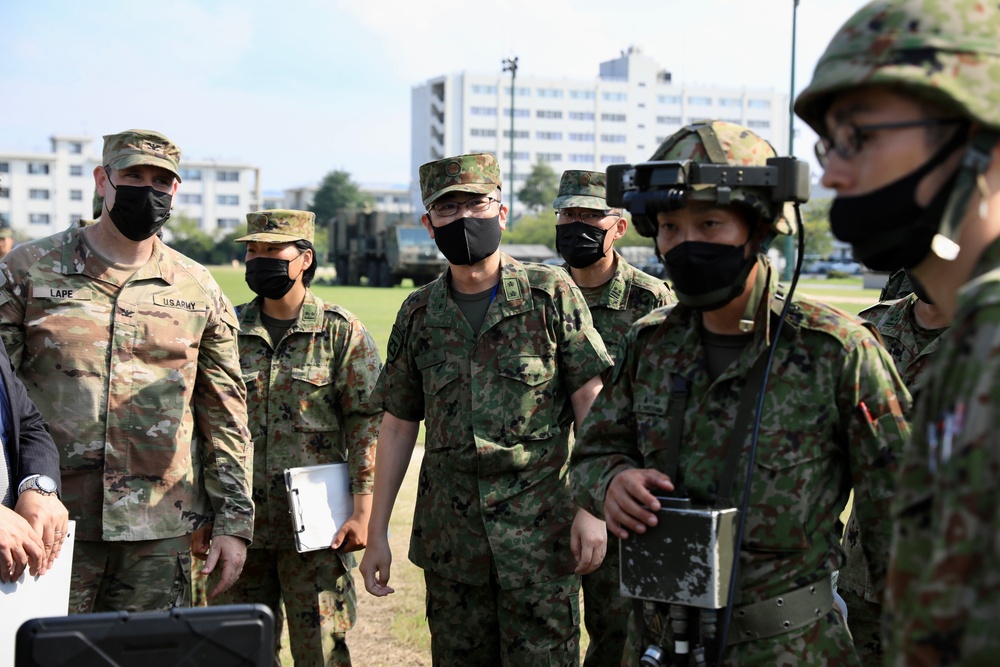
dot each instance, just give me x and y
(42, 193)
(620, 116)
(387, 198)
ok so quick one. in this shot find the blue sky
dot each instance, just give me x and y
(305, 86)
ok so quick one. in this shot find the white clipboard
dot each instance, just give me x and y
(320, 501)
(35, 597)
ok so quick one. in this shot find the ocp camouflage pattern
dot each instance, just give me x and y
(815, 443)
(126, 369)
(493, 487)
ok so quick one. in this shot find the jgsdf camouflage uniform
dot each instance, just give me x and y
(831, 420)
(614, 306)
(125, 367)
(911, 348)
(493, 509)
(308, 399)
(942, 600)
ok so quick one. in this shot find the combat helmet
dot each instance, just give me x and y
(946, 52)
(719, 142)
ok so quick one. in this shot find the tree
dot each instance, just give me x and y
(336, 192)
(540, 187)
(816, 220)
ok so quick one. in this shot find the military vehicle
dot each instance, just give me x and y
(384, 248)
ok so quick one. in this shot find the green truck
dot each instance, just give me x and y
(381, 249)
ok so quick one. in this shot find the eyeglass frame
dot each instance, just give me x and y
(604, 214)
(460, 206)
(861, 134)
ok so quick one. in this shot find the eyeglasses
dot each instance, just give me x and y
(589, 217)
(848, 139)
(475, 205)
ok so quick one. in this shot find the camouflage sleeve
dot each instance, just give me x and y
(399, 390)
(582, 354)
(607, 443)
(873, 401)
(221, 416)
(356, 376)
(11, 314)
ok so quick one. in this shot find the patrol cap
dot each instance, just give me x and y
(279, 226)
(478, 173)
(581, 189)
(132, 147)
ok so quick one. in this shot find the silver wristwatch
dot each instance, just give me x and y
(43, 484)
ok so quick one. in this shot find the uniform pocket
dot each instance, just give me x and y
(314, 398)
(442, 404)
(528, 396)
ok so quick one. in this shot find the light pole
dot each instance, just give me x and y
(510, 65)
(789, 246)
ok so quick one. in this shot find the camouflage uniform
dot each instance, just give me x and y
(125, 368)
(815, 443)
(615, 306)
(493, 511)
(942, 600)
(308, 397)
(911, 348)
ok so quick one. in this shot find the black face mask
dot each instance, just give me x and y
(918, 289)
(139, 212)
(707, 276)
(268, 276)
(580, 244)
(468, 241)
(887, 227)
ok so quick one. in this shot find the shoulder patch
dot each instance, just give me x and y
(395, 344)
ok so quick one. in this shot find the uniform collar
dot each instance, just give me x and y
(513, 296)
(79, 259)
(310, 317)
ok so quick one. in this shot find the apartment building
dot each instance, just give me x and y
(43, 193)
(621, 115)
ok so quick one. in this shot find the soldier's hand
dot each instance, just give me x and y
(19, 545)
(49, 518)
(630, 504)
(228, 552)
(375, 567)
(589, 542)
(352, 536)
(201, 541)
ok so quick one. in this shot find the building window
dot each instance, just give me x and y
(76, 170)
(190, 174)
(4, 192)
(550, 157)
(76, 195)
(612, 159)
(581, 94)
(518, 113)
(549, 136)
(38, 168)
(668, 120)
(38, 218)
(613, 117)
(75, 147)
(38, 193)
(518, 134)
(482, 89)
(227, 223)
(542, 113)
(189, 199)
(581, 115)
(581, 157)
(668, 99)
(482, 132)
(730, 102)
(518, 92)
(700, 101)
(759, 124)
(483, 111)
(518, 155)
(613, 138)
(4, 167)
(4, 218)
(549, 92)
(759, 104)
(581, 136)
(227, 200)
(614, 97)
(227, 176)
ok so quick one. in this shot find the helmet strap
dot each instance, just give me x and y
(975, 163)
